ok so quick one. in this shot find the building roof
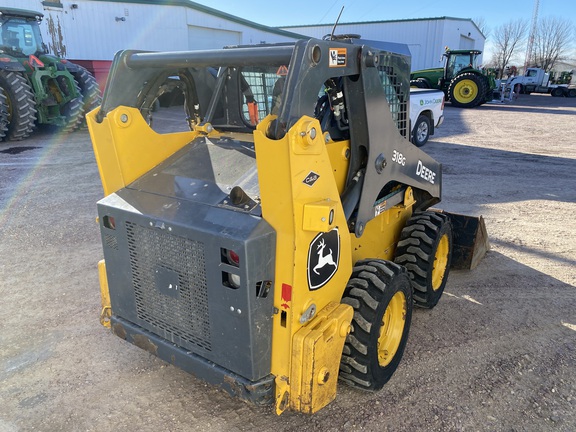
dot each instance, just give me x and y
(201, 8)
(387, 22)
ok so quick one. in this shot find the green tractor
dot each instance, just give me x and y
(36, 87)
(460, 79)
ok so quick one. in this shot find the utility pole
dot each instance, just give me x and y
(530, 46)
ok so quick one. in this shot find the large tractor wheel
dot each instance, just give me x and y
(425, 249)
(73, 112)
(3, 116)
(381, 295)
(91, 96)
(20, 103)
(557, 92)
(467, 90)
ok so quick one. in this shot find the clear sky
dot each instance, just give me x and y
(297, 12)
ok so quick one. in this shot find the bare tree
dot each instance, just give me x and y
(508, 39)
(482, 26)
(552, 41)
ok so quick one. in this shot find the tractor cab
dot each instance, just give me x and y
(20, 33)
(459, 60)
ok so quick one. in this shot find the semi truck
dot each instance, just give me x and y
(537, 80)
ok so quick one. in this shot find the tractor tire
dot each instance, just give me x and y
(467, 90)
(571, 93)
(73, 111)
(91, 96)
(421, 131)
(425, 249)
(20, 103)
(3, 116)
(557, 92)
(381, 295)
(420, 83)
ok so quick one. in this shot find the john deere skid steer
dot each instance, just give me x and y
(281, 242)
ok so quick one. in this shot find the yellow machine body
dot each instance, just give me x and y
(305, 180)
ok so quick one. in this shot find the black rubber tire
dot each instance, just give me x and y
(488, 96)
(474, 85)
(73, 111)
(557, 92)
(91, 95)
(420, 83)
(425, 236)
(421, 131)
(371, 289)
(3, 116)
(21, 105)
(571, 93)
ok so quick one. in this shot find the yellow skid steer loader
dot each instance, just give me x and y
(281, 242)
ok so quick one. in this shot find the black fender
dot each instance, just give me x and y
(12, 66)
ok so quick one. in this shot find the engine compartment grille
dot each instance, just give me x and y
(186, 316)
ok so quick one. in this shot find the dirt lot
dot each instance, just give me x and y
(497, 354)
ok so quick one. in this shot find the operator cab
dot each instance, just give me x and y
(20, 33)
(457, 61)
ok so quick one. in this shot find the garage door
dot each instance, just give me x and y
(209, 38)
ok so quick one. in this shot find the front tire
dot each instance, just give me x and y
(425, 249)
(20, 103)
(467, 90)
(421, 131)
(381, 295)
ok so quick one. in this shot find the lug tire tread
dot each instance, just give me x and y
(21, 105)
(369, 291)
(416, 251)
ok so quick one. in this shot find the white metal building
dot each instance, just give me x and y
(90, 32)
(426, 37)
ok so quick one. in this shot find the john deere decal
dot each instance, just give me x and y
(323, 256)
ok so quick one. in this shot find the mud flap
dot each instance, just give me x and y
(470, 240)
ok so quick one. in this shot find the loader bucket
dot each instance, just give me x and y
(470, 240)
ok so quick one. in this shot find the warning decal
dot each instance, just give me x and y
(337, 57)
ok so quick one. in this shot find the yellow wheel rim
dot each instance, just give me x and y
(392, 328)
(440, 262)
(465, 91)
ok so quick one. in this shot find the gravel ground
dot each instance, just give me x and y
(498, 353)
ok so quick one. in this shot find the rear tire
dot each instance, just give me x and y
(3, 116)
(421, 131)
(557, 92)
(381, 295)
(571, 93)
(467, 90)
(91, 96)
(73, 113)
(20, 103)
(425, 249)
